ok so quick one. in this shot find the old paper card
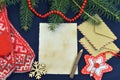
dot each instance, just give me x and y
(58, 49)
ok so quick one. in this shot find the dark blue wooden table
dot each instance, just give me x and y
(32, 37)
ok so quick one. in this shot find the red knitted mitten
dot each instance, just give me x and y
(24, 55)
(5, 39)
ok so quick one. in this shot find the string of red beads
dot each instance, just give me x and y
(58, 12)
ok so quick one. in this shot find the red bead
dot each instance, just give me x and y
(47, 14)
(29, 1)
(55, 11)
(72, 19)
(31, 9)
(43, 16)
(58, 12)
(51, 12)
(35, 12)
(85, 1)
(29, 6)
(64, 16)
(84, 4)
(83, 7)
(81, 12)
(39, 15)
(75, 18)
(61, 14)
(66, 19)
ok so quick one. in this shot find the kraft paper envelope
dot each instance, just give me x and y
(99, 35)
(110, 47)
(58, 49)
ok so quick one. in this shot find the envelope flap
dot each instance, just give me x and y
(103, 30)
(113, 47)
(110, 47)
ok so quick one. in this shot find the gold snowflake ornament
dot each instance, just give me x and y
(38, 70)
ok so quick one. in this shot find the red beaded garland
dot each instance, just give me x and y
(57, 12)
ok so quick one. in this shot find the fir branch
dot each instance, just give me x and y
(100, 7)
(26, 16)
(106, 9)
(60, 5)
(115, 2)
(11, 2)
(88, 12)
(91, 19)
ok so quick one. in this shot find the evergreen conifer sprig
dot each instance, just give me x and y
(26, 16)
(60, 5)
(102, 7)
(115, 2)
(105, 8)
(11, 2)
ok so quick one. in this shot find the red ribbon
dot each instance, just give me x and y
(113, 53)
